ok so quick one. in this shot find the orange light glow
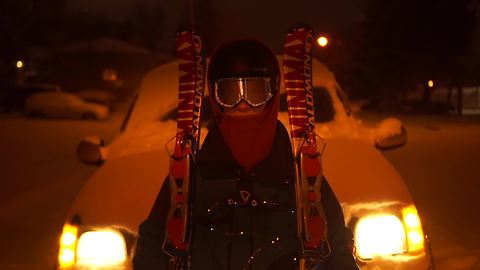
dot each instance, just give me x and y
(110, 75)
(430, 83)
(101, 248)
(322, 41)
(413, 227)
(68, 240)
(379, 235)
(19, 64)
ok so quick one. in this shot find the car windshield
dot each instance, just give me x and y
(324, 110)
(129, 113)
(343, 99)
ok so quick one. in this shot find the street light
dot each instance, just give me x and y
(19, 64)
(322, 41)
(430, 83)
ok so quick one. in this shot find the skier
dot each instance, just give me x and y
(244, 210)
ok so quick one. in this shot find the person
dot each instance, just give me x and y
(244, 215)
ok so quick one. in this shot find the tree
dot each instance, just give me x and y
(148, 25)
(406, 42)
(25, 23)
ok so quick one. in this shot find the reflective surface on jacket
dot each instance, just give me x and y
(243, 220)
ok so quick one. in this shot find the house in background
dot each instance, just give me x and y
(443, 99)
(466, 104)
(103, 63)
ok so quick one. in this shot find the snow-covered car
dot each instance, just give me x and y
(64, 105)
(97, 96)
(15, 98)
(101, 226)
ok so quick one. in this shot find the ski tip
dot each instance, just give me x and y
(192, 37)
(300, 26)
(183, 31)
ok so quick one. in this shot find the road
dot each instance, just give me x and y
(39, 177)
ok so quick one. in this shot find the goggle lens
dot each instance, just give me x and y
(227, 92)
(255, 91)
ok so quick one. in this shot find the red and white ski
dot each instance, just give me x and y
(297, 71)
(187, 141)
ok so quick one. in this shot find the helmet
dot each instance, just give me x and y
(248, 63)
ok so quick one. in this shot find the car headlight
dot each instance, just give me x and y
(413, 229)
(68, 243)
(389, 234)
(96, 248)
(379, 235)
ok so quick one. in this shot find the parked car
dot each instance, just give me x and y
(63, 105)
(118, 197)
(101, 97)
(16, 97)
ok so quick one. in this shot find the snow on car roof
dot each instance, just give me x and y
(159, 92)
(159, 95)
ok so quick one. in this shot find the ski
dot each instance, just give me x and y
(191, 67)
(297, 71)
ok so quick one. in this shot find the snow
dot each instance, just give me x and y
(159, 96)
(388, 127)
(62, 104)
(439, 165)
(40, 176)
(95, 94)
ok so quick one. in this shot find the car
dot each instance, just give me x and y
(102, 223)
(97, 96)
(16, 97)
(63, 105)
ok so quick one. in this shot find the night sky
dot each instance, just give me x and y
(267, 20)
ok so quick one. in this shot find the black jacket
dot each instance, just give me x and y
(232, 232)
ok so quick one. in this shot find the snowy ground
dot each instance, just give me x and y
(441, 167)
(39, 177)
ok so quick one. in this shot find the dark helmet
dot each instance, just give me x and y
(244, 58)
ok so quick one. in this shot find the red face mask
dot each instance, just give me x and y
(250, 138)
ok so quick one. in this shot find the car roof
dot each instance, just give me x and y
(160, 92)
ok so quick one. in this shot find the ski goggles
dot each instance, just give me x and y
(255, 91)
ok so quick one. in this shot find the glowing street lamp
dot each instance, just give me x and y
(322, 41)
(19, 64)
(430, 83)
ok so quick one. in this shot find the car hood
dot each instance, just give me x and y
(123, 190)
(358, 173)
